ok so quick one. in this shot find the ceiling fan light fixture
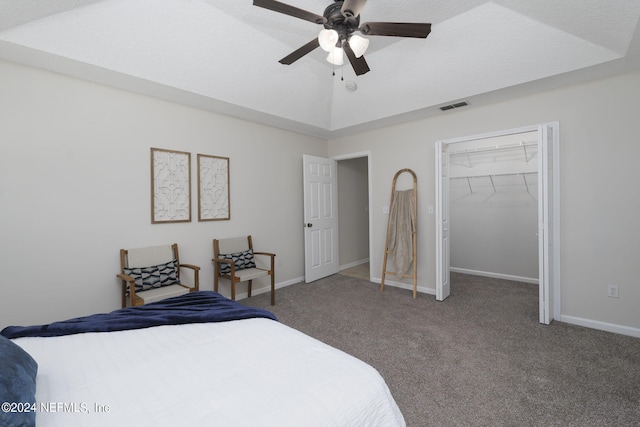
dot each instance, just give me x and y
(340, 19)
(328, 39)
(336, 56)
(358, 44)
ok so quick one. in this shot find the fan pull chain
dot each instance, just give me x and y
(333, 71)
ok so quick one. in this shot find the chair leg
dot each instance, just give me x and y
(249, 289)
(233, 290)
(215, 282)
(273, 290)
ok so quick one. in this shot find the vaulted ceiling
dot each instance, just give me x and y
(222, 55)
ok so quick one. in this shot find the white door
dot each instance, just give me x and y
(320, 217)
(443, 286)
(546, 222)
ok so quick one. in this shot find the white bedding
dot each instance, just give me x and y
(254, 372)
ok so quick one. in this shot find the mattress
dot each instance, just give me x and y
(250, 372)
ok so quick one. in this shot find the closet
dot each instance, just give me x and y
(493, 190)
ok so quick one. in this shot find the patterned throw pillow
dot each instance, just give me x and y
(156, 276)
(17, 384)
(242, 260)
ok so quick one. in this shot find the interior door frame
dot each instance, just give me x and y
(357, 155)
(553, 199)
(443, 251)
(549, 220)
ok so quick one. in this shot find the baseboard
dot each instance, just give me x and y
(353, 264)
(404, 285)
(496, 275)
(603, 326)
(267, 288)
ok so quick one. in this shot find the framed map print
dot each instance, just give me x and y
(213, 188)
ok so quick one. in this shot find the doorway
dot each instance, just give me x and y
(493, 202)
(547, 207)
(354, 214)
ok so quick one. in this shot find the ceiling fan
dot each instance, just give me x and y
(340, 20)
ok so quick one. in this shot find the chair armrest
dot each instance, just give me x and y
(125, 277)
(264, 253)
(191, 266)
(127, 282)
(226, 261)
(269, 254)
(196, 276)
(232, 265)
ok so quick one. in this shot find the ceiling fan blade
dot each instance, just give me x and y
(277, 6)
(352, 7)
(299, 53)
(396, 29)
(359, 65)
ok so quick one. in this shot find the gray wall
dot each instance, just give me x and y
(74, 168)
(599, 151)
(494, 207)
(353, 211)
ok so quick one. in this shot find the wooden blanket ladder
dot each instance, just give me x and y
(387, 250)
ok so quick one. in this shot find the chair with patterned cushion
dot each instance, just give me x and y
(153, 274)
(233, 259)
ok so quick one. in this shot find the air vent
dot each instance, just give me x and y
(456, 105)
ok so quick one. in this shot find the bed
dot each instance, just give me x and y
(202, 359)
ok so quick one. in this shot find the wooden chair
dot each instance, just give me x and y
(153, 274)
(233, 259)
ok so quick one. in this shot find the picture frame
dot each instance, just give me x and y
(170, 186)
(214, 198)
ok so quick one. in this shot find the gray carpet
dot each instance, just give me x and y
(479, 359)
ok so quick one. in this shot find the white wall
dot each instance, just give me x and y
(599, 151)
(353, 210)
(494, 219)
(74, 174)
(496, 234)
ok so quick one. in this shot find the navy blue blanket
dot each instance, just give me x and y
(194, 307)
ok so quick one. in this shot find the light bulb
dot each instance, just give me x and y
(336, 56)
(328, 39)
(358, 44)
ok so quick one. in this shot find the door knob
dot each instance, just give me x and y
(309, 225)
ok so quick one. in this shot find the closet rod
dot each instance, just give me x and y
(493, 184)
(494, 175)
(523, 144)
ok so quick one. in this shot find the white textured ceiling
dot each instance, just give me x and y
(222, 55)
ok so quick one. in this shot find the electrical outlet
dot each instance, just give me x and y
(612, 291)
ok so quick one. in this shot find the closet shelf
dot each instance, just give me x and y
(526, 150)
(495, 181)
